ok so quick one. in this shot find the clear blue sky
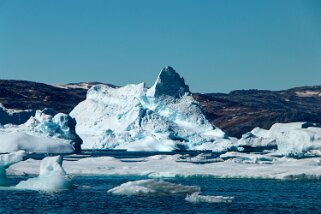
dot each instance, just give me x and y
(218, 46)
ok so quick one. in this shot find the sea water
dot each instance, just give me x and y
(90, 196)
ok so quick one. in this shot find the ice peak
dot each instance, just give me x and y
(169, 83)
(168, 69)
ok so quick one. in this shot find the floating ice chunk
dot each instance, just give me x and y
(163, 188)
(7, 160)
(51, 125)
(42, 133)
(153, 188)
(197, 198)
(293, 139)
(52, 177)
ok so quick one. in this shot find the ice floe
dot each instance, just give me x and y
(52, 177)
(232, 165)
(197, 198)
(152, 187)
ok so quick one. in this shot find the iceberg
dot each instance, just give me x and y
(296, 139)
(152, 187)
(42, 133)
(6, 160)
(52, 177)
(164, 117)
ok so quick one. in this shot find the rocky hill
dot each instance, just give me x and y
(236, 112)
(240, 111)
(21, 95)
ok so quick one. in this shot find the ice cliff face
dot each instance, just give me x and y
(164, 117)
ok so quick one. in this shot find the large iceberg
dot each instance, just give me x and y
(294, 139)
(164, 117)
(43, 133)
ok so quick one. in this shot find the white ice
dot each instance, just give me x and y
(6, 160)
(52, 177)
(42, 133)
(293, 139)
(162, 118)
(152, 187)
(197, 198)
(40, 144)
(230, 165)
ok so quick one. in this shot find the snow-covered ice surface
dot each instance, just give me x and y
(52, 177)
(152, 187)
(292, 139)
(164, 117)
(232, 165)
(42, 133)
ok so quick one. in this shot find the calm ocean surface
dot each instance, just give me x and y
(90, 196)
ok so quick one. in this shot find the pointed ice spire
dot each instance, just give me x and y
(168, 83)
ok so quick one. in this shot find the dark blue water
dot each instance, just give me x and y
(251, 196)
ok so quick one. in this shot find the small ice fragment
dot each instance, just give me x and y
(197, 198)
